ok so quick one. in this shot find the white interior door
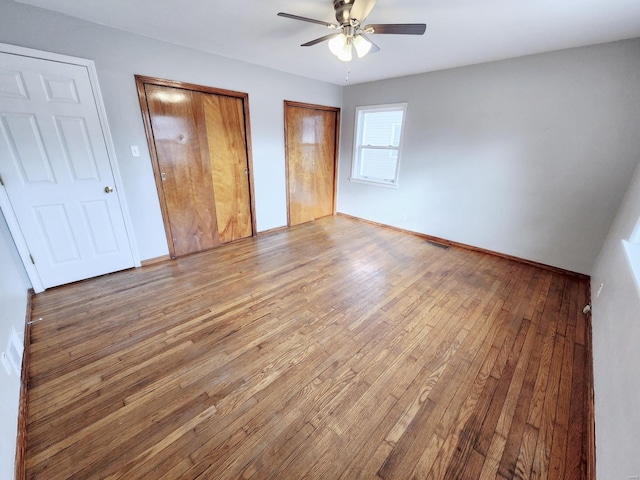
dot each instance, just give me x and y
(56, 171)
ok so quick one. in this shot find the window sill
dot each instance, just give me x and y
(370, 182)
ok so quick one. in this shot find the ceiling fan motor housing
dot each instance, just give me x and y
(343, 10)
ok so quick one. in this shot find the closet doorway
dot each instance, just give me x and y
(201, 154)
(311, 144)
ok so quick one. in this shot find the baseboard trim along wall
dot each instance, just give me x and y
(589, 402)
(264, 233)
(21, 441)
(450, 243)
(153, 261)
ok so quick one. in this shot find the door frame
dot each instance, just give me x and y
(311, 106)
(5, 204)
(141, 81)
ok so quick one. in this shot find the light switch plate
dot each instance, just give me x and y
(135, 151)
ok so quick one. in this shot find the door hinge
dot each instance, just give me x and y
(1, 181)
(32, 260)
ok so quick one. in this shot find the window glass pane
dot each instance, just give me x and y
(378, 164)
(382, 128)
(377, 144)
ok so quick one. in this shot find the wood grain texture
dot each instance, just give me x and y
(324, 162)
(334, 349)
(590, 414)
(180, 138)
(311, 133)
(219, 157)
(300, 151)
(224, 121)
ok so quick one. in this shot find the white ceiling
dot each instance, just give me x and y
(459, 32)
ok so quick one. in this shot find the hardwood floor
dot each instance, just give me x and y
(334, 349)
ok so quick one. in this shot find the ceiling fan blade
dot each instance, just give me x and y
(305, 19)
(374, 48)
(320, 40)
(397, 28)
(361, 9)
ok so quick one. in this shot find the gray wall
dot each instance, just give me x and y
(616, 356)
(13, 300)
(528, 157)
(119, 56)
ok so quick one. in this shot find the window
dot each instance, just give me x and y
(632, 249)
(378, 138)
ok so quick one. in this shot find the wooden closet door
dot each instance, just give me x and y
(300, 152)
(311, 133)
(180, 139)
(198, 138)
(325, 162)
(224, 120)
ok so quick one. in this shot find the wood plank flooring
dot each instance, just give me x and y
(334, 349)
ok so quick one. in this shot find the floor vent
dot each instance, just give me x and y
(439, 245)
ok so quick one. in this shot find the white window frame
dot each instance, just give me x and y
(632, 249)
(358, 147)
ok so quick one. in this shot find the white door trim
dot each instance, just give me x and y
(5, 205)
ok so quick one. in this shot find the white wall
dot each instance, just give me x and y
(13, 301)
(529, 157)
(119, 56)
(616, 352)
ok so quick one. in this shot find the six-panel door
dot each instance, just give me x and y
(56, 170)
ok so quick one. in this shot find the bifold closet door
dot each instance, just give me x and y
(200, 147)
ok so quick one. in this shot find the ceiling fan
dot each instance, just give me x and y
(349, 31)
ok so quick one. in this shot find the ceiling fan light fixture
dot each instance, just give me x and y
(362, 45)
(340, 46)
(337, 44)
(346, 55)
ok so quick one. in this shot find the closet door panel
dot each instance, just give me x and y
(324, 166)
(179, 135)
(226, 136)
(300, 151)
(310, 137)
